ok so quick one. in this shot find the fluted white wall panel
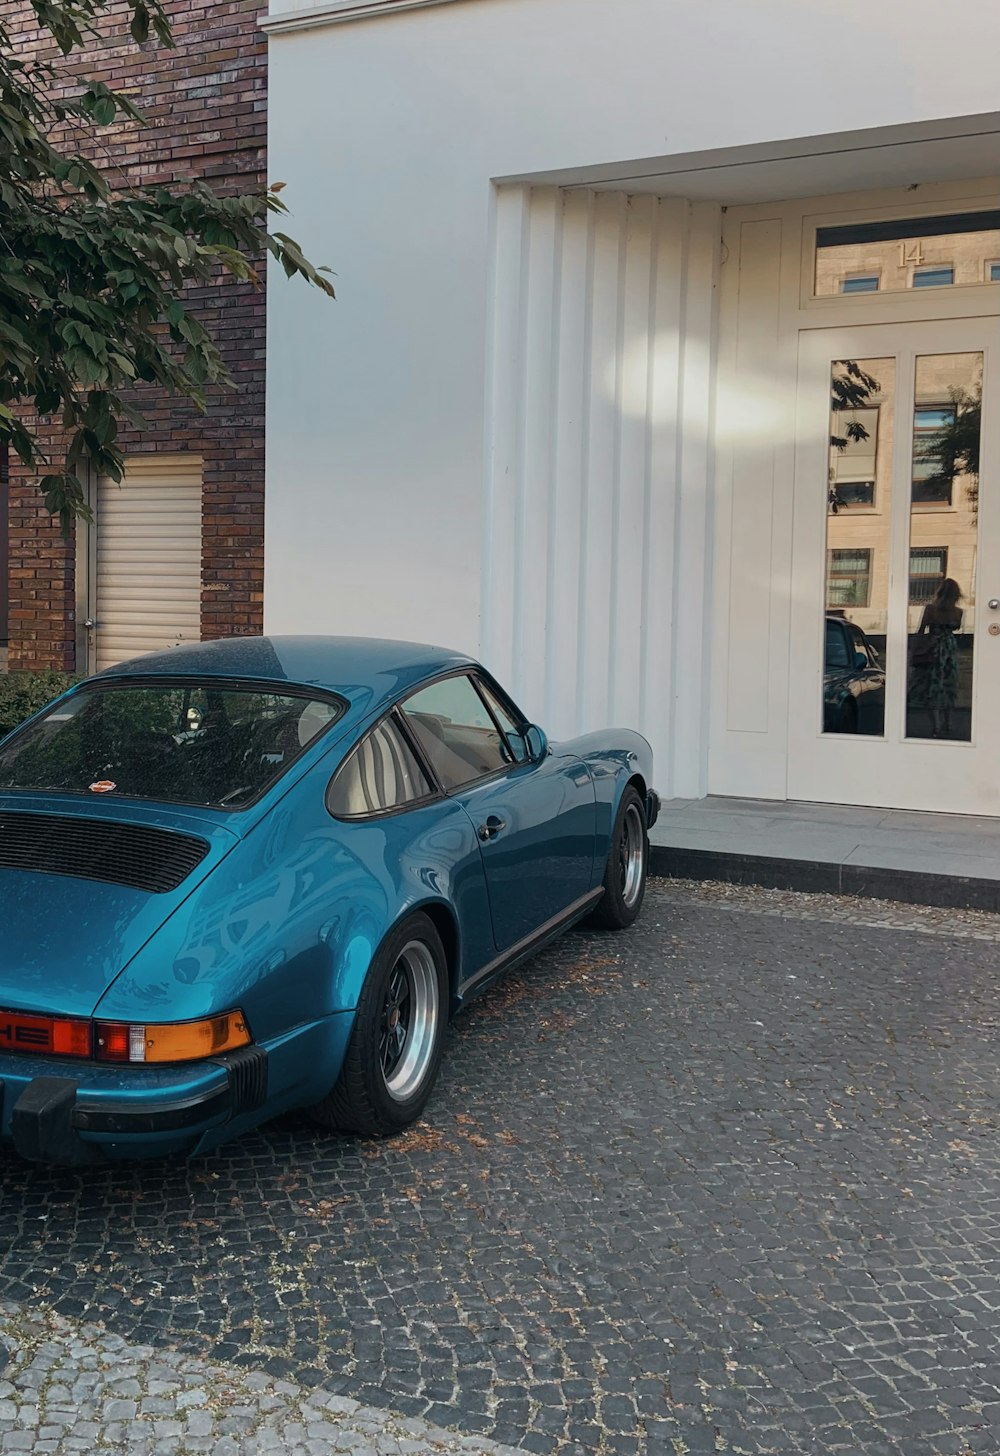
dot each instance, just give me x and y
(595, 540)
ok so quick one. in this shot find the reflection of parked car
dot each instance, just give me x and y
(853, 681)
(249, 876)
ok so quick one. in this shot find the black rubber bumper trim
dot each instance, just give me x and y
(652, 808)
(41, 1124)
(162, 1117)
(245, 1091)
(247, 1078)
(47, 1119)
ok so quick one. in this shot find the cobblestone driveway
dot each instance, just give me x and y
(727, 1183)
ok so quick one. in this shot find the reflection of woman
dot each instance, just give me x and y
(935, 657)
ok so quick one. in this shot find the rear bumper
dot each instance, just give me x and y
(652, 808)
(56, 1112)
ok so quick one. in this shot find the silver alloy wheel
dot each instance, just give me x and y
(409, 1021)
(632, 855)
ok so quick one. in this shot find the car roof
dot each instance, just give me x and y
(365, 670)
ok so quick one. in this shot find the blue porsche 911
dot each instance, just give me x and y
(262, 874)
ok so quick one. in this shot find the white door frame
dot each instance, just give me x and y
(890, 771)
(766, 304)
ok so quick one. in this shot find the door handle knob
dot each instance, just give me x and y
(89, 623)
(994, 604)
(491, 828)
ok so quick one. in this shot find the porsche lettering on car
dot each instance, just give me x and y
(256, 875)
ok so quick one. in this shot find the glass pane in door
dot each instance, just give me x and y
(944, 525)
(859, 503)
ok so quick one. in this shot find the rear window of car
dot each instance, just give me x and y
(218, 745)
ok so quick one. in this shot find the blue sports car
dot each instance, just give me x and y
(262, 874)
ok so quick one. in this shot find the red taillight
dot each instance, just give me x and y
(71, 1038)
(111, 1042)
(47, 1035)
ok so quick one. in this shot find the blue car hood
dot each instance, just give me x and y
(64, 939)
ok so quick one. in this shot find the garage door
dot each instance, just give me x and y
(146, 561)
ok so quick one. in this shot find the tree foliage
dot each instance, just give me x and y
(957, 445)
(94, 272)
(852, 389)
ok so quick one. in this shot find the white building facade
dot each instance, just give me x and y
(602, 270)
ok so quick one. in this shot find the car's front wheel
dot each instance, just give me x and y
(395, 1048)
(625, 872)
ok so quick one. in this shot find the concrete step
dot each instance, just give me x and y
(927, 859)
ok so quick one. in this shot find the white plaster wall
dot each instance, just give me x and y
(595, 545)
(388, 132)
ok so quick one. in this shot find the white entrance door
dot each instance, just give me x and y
(144, 566)
(895, 639)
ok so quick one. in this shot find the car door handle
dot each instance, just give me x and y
(491, 828)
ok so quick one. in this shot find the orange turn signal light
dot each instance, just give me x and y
(182, 1041)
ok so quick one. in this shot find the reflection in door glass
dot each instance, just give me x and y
(859, 490)
(944, 518)
(914, 252)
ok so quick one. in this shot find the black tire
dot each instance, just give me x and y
(384, 1084)
(624, 893)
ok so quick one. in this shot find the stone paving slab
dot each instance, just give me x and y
(72, 1389)
(939, 859)
(726, 1183)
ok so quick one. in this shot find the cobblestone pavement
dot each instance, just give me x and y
(729, 1182)
(73, 1391)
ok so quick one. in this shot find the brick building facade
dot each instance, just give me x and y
(205, 103)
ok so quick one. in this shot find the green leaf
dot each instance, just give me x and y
(95, 273)
(140, 25)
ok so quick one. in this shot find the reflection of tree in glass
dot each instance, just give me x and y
(193, 743)
(955, 447)
(852, 390)
(106, 732)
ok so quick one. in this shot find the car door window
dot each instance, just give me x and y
(456, 731)
(382, 774)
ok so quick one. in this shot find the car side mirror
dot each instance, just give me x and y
(536, 743)
(860, 660)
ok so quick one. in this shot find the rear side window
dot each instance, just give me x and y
(382, 774)
(456, 732)
(836, 646)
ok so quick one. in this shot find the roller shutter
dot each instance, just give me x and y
(148, 558)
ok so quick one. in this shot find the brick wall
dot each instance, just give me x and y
(205, 102)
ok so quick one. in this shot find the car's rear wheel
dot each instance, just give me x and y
(625, 872)
(395, 1048)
